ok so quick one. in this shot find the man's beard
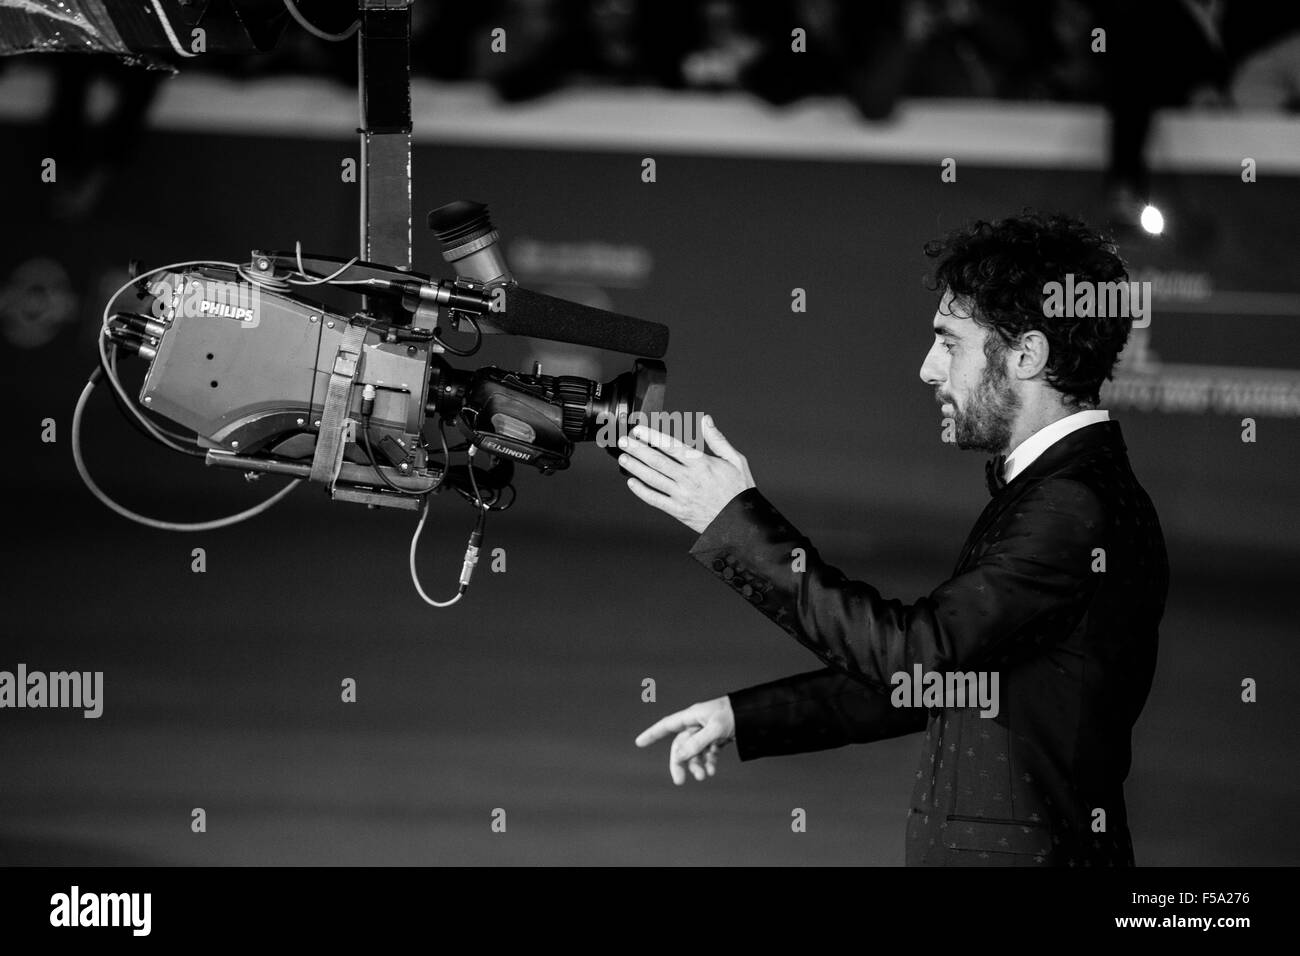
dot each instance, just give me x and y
(986, 424)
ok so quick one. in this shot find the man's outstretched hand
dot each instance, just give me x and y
(683, 481)
(701, 731)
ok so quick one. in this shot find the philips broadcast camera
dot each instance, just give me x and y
(270, 379)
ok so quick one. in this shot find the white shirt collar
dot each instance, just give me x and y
(1046, 437)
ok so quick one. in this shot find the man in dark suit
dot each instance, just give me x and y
(1057, 593)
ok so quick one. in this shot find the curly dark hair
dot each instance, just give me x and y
(1000, 268)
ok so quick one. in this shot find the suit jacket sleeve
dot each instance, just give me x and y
(815, 711)
(1033, 570)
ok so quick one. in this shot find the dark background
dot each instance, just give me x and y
(222, 688)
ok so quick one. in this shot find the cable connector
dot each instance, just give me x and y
(471, 558)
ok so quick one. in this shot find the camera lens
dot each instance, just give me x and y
(589, 406)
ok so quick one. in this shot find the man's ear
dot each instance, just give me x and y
(1031, 355)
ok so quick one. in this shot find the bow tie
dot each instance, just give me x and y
(993, 474)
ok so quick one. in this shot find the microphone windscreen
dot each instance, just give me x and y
(546, 317)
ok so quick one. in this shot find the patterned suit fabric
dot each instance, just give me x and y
(1059, 588)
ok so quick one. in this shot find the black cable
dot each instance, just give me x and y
(493, 498)
(480, 524)
(446, 451)
(374, 462)
(473, 482)
(478, 338)
(446, 456)
(513, 495)
(478, 502)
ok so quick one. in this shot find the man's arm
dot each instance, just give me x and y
(813, 711)
(817, 710)
(1035, 574)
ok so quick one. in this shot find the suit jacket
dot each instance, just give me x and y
(1059, 588)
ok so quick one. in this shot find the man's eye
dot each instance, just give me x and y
(948, 346)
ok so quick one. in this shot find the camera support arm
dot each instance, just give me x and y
(384, 92)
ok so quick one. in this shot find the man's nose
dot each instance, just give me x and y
(930, 373)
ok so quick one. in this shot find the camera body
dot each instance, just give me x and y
(248, 371)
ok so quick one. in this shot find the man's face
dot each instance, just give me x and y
(975, 392)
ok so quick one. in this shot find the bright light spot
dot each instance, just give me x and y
(1153, 221)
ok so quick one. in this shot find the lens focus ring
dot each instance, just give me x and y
(574, 393)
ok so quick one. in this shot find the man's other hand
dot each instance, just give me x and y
(701, 731)
(683, 481)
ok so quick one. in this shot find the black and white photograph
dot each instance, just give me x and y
(659, 435)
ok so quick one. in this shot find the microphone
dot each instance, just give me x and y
(469, 242)
(546, 317)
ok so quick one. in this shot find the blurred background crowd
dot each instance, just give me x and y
(1133, 58)
(1227, 53)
